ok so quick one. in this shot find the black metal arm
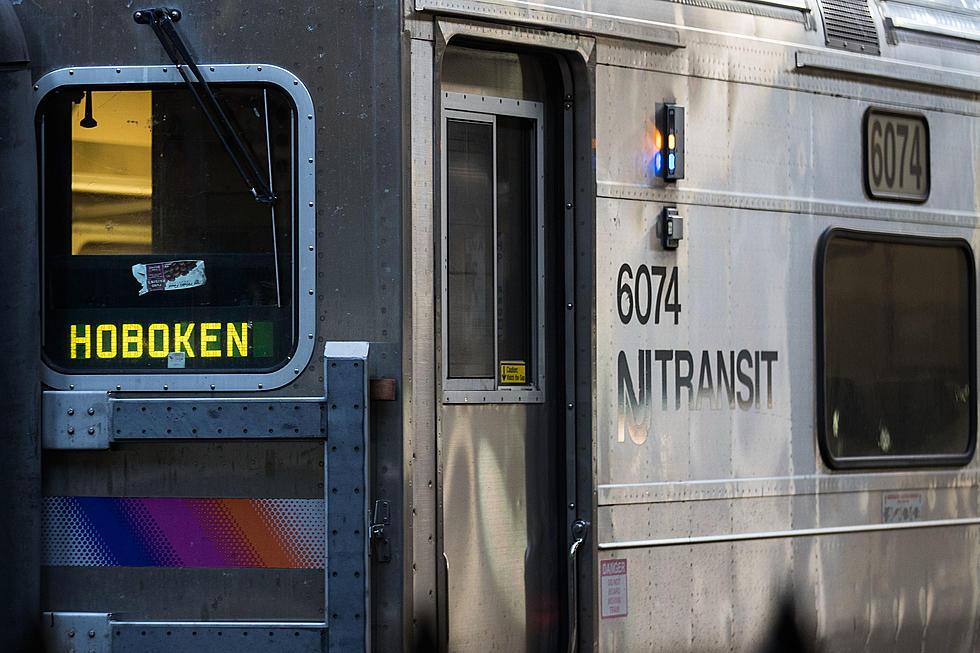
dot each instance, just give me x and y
(162, 20)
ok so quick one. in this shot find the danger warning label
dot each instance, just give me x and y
(613, 588)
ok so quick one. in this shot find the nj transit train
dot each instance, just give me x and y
(472, 325)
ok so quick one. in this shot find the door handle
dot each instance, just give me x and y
(580, 532)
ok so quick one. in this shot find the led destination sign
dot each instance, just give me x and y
(141, 342)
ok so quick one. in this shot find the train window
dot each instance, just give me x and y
(158, 256)
(896, 350)
(492, 264)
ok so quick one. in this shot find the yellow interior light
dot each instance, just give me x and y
(112, 174)
(670, 141)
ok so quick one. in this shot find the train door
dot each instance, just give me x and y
(501, 423)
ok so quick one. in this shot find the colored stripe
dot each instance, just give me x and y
(183, 532)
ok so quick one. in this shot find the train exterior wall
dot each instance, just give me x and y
(719, 505)
(691, 438)
(347, 56)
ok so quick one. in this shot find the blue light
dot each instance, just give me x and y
(658, 163)
(670, 161)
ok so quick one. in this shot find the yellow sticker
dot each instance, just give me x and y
(513, 372)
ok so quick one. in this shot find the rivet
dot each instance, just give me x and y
(568, 205)
(71, 633)
(164, 70)
(165, 387)
(118, 71)
(311, 159)
(118, 387)
(36, 87)
(310, 336)
(311, 203)
(91, 430)
(91, 633)
(71, 72)
(571, 405)
(91, 411)
(71, 386)
(311, 291)
(571, 506)
(295, 371)
(569, 306)
(311, 248)
(309, 116)
(71, 429)
(212, 386)
(259, 68)
(260, 386)
(71, 411)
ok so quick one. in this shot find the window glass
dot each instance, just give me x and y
(470, 282)
(157, 256)
(515, 240)
(898, 351)
(491, 254)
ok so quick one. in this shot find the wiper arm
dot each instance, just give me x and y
(162, 21)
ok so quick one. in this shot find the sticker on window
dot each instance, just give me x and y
(513, 372)
(169, 275)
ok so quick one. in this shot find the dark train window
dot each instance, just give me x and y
(492, 265)
(157, 256)
(896, 350)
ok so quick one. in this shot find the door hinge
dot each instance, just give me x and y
(380, 546)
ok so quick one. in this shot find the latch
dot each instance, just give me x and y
(380, 546)
(580, 531)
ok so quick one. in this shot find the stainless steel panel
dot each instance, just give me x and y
(735, 497)
(65, 632)
(347, 571)
(207, 594)
(807, 138)
(798, 485)
(419, 389)
(75, 420)
(292, 417)
(686, 23)
(233, 637)
(899, 74)
(844, 588)
(188, 469)
(485, 524)
(291, 469)
(697, 520)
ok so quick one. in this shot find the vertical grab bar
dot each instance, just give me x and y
(580, 531)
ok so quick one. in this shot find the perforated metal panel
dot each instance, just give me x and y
(848, 25)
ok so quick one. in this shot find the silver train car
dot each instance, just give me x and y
(490, 325)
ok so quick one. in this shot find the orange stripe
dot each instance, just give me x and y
(257, 533)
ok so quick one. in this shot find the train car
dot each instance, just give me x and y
(469, 325)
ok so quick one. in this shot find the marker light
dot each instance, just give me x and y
(670, 122)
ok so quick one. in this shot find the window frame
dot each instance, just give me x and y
(303, 254)
(891, 461)
(475, 107)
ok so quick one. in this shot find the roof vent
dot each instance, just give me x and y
(848, 25)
